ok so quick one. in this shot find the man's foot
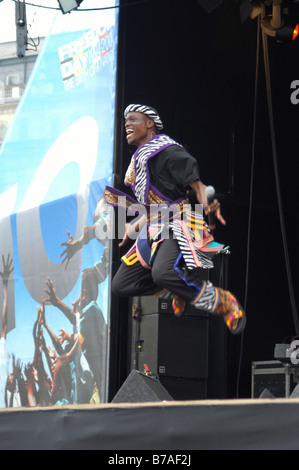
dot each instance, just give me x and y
(235, 319)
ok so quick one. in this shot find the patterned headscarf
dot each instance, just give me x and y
(148, 111)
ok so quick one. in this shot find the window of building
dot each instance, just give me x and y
(13, 79)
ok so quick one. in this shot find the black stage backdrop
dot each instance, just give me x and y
(198, 69)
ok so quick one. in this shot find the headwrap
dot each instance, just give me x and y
(148, 111)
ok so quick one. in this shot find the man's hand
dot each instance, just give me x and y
(214, 208)
(51, 292)
(129, 235)
(7, 268)
(132, 230)
(71, 247)
(201, 196)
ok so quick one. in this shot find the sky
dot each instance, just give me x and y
(39, 20)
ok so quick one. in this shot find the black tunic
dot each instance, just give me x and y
(172, 170)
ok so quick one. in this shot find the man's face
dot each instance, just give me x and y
(139, 128)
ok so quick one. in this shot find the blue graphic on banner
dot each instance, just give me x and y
(56, 160)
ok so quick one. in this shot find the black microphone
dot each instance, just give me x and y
(210, 193)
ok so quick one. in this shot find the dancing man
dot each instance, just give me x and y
(167, 253)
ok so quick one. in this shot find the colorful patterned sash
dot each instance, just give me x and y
(140, 183)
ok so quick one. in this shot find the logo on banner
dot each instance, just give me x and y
(82, 58)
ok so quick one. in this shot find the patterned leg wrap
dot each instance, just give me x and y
(218, 302)
(207, 298)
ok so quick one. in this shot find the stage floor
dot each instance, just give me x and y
(263, 424)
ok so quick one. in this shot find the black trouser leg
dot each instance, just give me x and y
(137, 280)
(134, 280)
(165, 274)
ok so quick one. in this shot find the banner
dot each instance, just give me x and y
(56, 159)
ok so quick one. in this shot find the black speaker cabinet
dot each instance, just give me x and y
(139, 388)
(174, 349)
(188, 354)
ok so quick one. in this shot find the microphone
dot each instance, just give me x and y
(210, 193)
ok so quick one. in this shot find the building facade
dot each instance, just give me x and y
(14, 74)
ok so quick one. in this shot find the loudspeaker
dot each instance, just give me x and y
(139, 387)
(184, 388)
(266, 394)
(170, 346)
(174, 349)
(295, 392)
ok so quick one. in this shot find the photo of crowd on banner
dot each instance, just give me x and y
(68, 367)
